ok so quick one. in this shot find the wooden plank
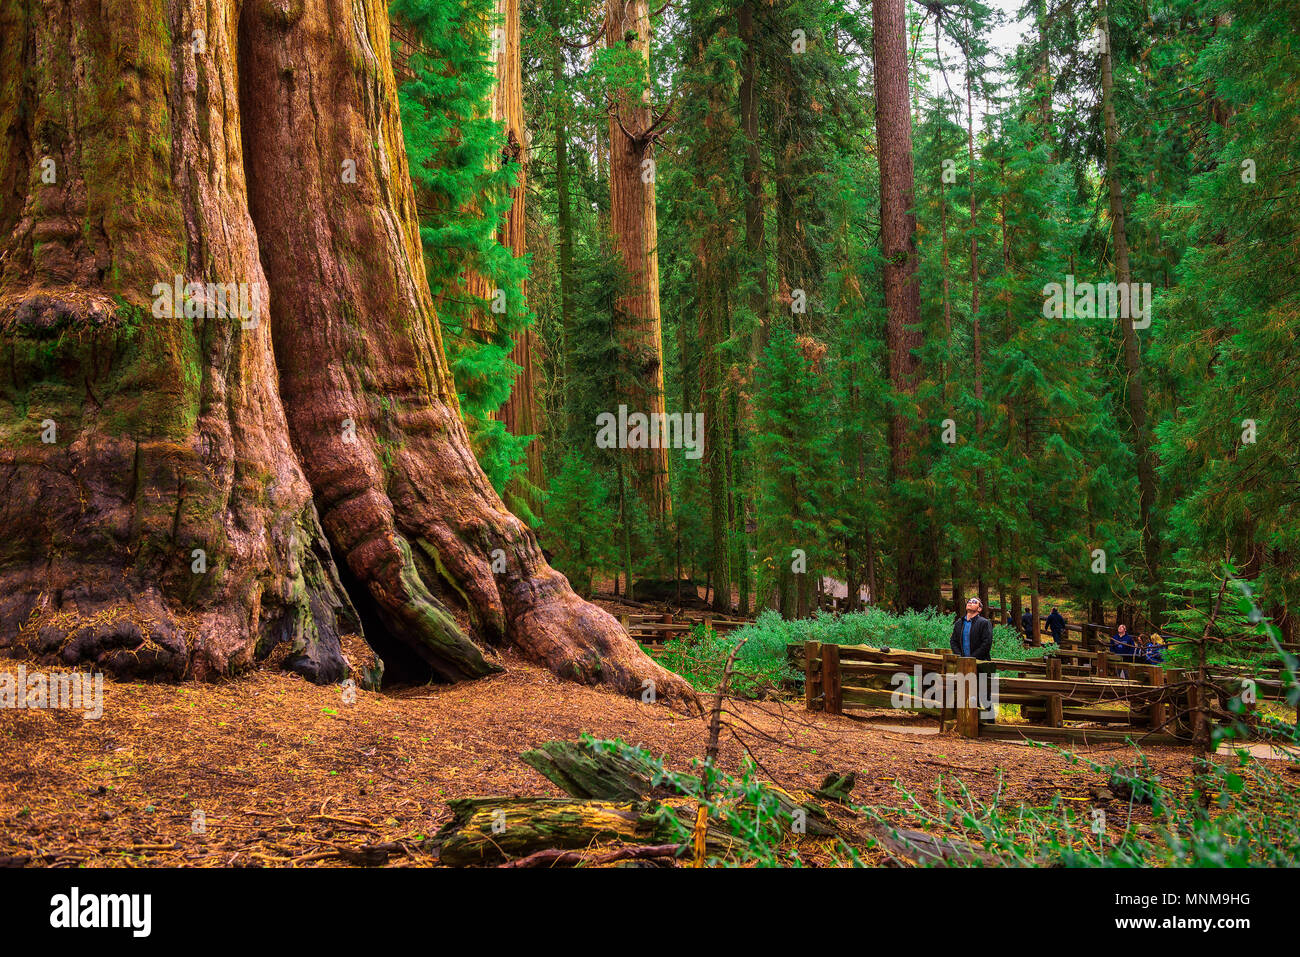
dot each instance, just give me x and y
(1054, 717)
(1038, 715)
(812, 676)
(867, 653)
(853, 697)
(831, 678)
(1092, 688)
(881, 669)
(1157, 714)
(1030, 732)
(968, 715)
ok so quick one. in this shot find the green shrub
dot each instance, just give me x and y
(763, 661)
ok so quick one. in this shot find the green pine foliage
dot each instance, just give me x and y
(462, 192)
(783, 344)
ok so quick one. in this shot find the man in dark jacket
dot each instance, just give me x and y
(1056, 625)
(972, 635)
(1122, 643)
(1027, 622)
(1123, 646)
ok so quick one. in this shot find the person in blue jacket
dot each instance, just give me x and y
(1151, 651)
(1121, 643)
(1124, 645)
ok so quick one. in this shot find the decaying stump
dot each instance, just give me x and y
(586, 772)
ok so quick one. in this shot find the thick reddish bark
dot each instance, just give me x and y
(181, 431)
(632, 220)
(520, 411)
(915, 550)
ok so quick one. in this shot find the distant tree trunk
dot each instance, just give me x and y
(632, 220)
(977, 347)
(716, 436)
(519, 414)
(194, 432)
(914, 546)
(1037, 637)
(564, 205)
(1137, 395)
(753, 172)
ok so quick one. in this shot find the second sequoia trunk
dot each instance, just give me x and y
(632, 220)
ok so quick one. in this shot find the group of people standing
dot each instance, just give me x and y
(972, 636)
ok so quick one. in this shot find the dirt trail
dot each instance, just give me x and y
(283, 769)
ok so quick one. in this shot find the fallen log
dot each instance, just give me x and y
(927, 850)
(585, 772)
(490, 830)
(658, 853)
(589, 773)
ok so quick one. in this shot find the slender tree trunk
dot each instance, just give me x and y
(564, 205)
(914, 547)
(977, 346)
(175, 434)
(1037, 637)
(753, 173)
(1137, 396)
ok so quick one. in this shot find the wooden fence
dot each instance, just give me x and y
(653, 630)
(1060, 702)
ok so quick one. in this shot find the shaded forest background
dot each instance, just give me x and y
(681, 210)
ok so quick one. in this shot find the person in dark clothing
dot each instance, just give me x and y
(1149, 651)
(1027, 622)
(972, 635)
(1124, 645)
(1121, 643)
(1056, 625)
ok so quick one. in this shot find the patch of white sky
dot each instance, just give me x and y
(1005, 32)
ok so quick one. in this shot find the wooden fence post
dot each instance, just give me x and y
(831, 678)
(945, 666)
(812, 676)
(1054, 668)
(1103, 664)
(1055, 712)
(968, 708)
(1154, 676)
(1182, 720)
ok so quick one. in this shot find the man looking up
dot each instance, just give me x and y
(972, 635)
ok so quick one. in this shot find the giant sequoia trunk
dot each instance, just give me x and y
(186, 490)
(915, 551)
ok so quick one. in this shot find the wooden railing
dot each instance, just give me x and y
(653, 630)
(1056, 699)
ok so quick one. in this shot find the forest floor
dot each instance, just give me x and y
(287, 773)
